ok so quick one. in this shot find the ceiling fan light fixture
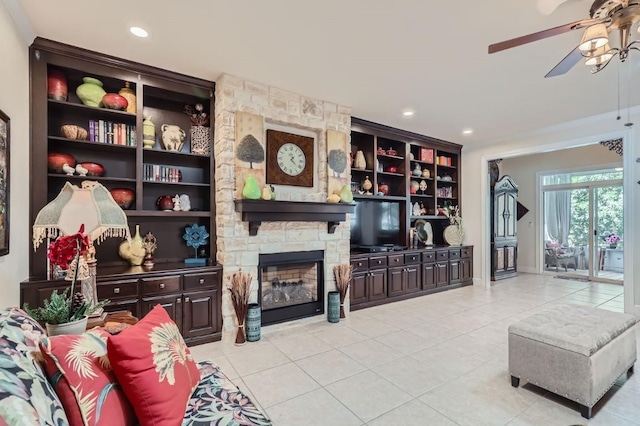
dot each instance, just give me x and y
(593, 38)
(600, 56)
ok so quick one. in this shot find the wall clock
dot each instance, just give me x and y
(289, 159)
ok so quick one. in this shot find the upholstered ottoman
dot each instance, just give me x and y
(574, 351)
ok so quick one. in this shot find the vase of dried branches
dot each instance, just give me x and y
(240, 288)
(342, 274)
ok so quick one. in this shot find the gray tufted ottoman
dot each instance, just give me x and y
(574, 351)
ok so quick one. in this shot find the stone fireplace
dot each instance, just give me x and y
(241, 248)
(291, 285)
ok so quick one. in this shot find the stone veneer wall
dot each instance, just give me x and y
(236, 249)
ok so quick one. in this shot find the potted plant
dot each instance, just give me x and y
(67, 313)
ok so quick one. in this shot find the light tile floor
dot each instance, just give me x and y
(439, 359)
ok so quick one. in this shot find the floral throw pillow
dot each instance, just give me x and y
(26, 397)
(155, 368)
(79, 370)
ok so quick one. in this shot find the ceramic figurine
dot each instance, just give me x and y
(426, 173)
(367, 185)
(176, 203)
(423, 186)
(417, 171)
(149, 243)
(185, 203)
(81, 170)
(416, 209)
(68, 169)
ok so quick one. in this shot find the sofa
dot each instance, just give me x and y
(29, 397)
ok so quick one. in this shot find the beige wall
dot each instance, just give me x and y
(523, 170)
(14, 101)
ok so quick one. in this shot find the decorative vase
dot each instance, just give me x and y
(128, 93)
(165, 203)
(91, 92)
(148, 133)
(612, 246)
(134, 253)
(56, 160)
(333, 306)
(454, 235)
(115, 101)
(367, 185)
(123, 197)
(172, 137)
(200, 140)
(94, 170)
(73, 327)
(417, 171)
(56, 85)
(426, 173)
(253, 322)
(360, 162)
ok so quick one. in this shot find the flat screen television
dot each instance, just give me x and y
(376, 223)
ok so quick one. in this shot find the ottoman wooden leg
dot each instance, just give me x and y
(515, 381)
(630, 371)
(585, 411)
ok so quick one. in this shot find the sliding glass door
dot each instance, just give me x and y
(582, 225)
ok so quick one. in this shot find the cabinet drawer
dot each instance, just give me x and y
(466, 252)
(396, 259)
(442, 255)
(377, 261)
(429, 256)
(454, 254)
(118, 290)
(161, 285)
(411, 259)
(358, 265)
(205, 280)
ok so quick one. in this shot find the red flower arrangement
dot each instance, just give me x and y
(65, 249)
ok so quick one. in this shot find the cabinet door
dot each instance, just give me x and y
(428, 276)
(442, 274)
(412, 278)
(358, 289)
(377, 282)
(199, 313)
(466, 268)
(455, 274)
(510, 254)
(172, 304)
(396, 282)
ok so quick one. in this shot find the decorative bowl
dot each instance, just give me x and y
(71, 131)
(381, 151)
(115, 101)
(165, 202)
(94, 169)
(391, 169)
(123, 197)
(392, 151)
(55, 161)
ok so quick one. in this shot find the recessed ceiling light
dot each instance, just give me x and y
(408, 113)
(467, 131)
(140, 32)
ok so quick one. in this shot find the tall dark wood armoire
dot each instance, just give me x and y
(504, 230)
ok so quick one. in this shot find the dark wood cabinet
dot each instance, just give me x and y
(413, 273)
(504, 229)
(410, 169)
(115, 140)
(190, 295)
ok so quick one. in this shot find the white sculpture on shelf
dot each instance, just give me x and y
(185, 203)
(176, 203)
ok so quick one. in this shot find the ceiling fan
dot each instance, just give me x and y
(606, 16)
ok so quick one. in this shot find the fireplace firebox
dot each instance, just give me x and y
(291, 285)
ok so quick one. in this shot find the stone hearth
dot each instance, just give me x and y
(283, 110)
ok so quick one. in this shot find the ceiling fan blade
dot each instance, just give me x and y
(518, 41)
(566, 64)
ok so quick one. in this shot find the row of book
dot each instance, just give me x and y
(113, 133)
(158, 173)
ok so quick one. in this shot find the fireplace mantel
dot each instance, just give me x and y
(257, 211)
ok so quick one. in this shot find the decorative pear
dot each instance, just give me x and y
(346, 196)
(251, 189)
(333, 198)
(266, 193)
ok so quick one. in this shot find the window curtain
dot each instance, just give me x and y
(557, 213)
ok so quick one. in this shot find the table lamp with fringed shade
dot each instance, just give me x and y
(91, 205)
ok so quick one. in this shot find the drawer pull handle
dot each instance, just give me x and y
(178, 301)
(186, 299)
(396, 260)
(379, 262)
(116, 290)
(359, 263)
(161, 285)
(201, 280)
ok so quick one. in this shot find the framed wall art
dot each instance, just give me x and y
(4, 183)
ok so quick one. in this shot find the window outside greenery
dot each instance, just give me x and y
(608, 206)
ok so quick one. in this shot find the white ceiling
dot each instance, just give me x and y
(377, 56)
